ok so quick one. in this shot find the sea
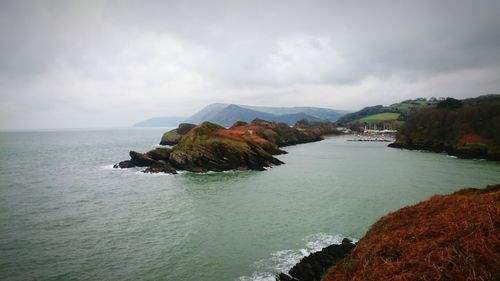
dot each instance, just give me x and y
(66, 214)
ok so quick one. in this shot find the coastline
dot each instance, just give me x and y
(400, 243)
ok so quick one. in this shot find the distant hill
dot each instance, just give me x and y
(207, 113)
(160, 122)
(401, 111)
(228, 114)
(317, 112)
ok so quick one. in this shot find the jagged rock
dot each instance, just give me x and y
(124, 164)
(160, 167)
(312, 267)
(140, 160)
(173, 137)
(159, 153)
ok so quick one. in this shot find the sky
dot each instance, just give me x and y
(90, 64)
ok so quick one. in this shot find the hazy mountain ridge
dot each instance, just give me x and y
(228, 114)
(160, 122)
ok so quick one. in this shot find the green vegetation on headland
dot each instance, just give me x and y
(467, 128)
(447, 237)
(400, 111)
(210, 147)
(172, 137)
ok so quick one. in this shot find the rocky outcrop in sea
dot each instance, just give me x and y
(210, 147)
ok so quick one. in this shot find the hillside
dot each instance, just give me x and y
(469, 128)
(228, 114)
(448, 237)
(380, 117)
(317, 112)
(401, 111)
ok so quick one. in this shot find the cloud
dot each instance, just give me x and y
(112, 63)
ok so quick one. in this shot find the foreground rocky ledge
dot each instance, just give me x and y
(447, 237)
(312, 267)
(210, 147)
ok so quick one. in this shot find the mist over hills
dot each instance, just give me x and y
(228, 114)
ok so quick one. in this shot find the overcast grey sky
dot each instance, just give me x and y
(67, 64)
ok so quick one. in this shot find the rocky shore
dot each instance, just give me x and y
(210, 147)
(478, 150)
(314, 266)
(447, 237)
(467, 129)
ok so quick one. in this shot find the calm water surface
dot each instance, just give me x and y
(65, 214)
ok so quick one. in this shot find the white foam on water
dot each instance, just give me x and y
(451, 156)
(136, 170)
(107, 167)
(140, 172)
(282, 261)
(162, 146)
(111, 168)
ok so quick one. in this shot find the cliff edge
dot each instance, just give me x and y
(448, 237)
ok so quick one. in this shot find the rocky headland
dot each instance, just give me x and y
(464, 128)
(447, 237)
(210, 147)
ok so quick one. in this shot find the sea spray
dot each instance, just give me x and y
(284, 260)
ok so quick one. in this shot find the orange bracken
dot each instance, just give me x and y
(448, 237)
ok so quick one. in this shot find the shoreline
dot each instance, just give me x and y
(400, 243)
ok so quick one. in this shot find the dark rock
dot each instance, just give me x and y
(159, 153)
(140, 160)
(160, 167)
(184, 128)
(124, 164)
(312, 267)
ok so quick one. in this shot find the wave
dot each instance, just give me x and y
(134, 170)
(283, 261)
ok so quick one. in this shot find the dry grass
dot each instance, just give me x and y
(450, 237)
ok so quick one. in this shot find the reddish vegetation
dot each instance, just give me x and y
(448, 237)
(243, 133)
(473, 138)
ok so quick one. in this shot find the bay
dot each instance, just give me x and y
(65, 214)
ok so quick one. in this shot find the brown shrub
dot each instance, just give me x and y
(448, 237)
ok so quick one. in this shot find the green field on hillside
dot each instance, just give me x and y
(386, 116)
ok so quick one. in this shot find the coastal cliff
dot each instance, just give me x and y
(447, 237)
(467, 128)
(210, 147)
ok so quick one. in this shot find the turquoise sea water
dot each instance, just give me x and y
(65, 214)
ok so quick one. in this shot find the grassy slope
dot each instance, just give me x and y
(403, 108)
(448, 237)
(387, 116)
